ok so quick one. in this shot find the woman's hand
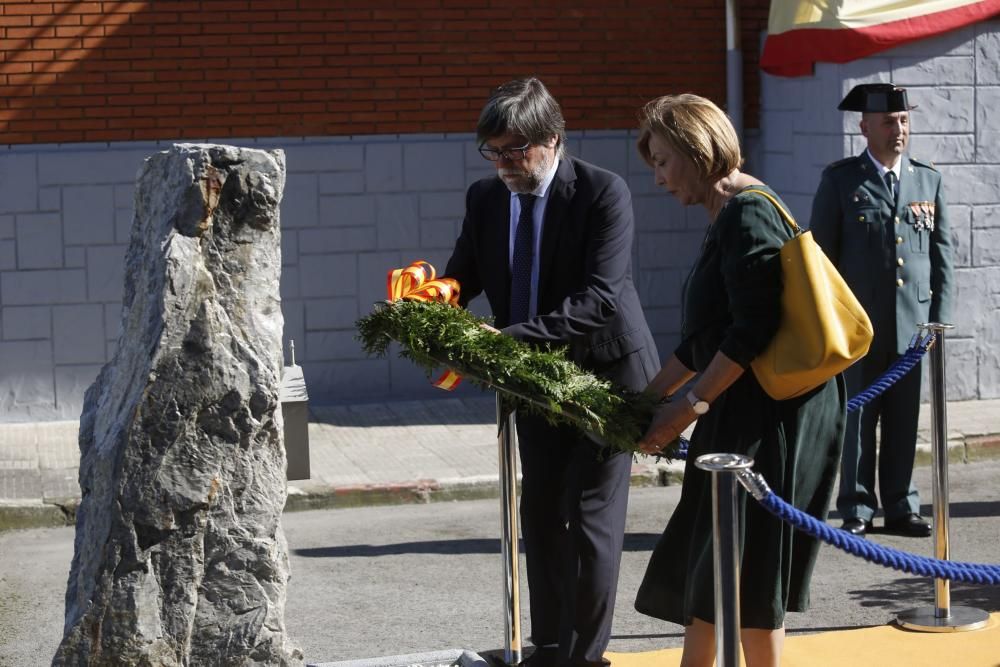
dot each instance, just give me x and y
(489, 328)
(669, 422)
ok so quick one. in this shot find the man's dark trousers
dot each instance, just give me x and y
(899, 409)
(573, 507)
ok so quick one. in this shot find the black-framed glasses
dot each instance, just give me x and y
(512, 154)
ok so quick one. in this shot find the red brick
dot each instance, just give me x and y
(180, 98)
(108, 112)
(57, 137)
(183, 29)
(253, 85)
(81, 124)
(10, 21)
(134, 30)
(20, 9)
(16, 68)
(26, 34)
(303, 107)
(230, 5)
(105, 135)
(405, 57)
(94, 43)
(277, 96)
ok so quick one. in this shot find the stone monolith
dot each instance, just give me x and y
(179, 555)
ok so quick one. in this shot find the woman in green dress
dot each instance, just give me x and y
(731, 310)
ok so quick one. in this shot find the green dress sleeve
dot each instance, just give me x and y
(751, 233)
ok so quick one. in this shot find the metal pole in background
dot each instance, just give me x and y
(734, 69)
(725, 549)
(507, 444)
(942, 617)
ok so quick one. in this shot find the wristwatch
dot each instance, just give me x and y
(699, 406)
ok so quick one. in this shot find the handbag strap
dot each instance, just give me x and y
(781, 209)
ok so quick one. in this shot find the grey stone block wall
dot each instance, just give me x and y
(353, 208)
(954, 79)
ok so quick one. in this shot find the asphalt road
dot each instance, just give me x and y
(380, 581)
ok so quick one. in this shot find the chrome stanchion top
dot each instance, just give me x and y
(723, 462)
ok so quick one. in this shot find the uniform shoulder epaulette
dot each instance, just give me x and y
(923, 163)
(842, 162)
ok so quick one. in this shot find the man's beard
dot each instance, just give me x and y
(525, 182)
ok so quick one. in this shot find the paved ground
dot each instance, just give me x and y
(389, 580)
(404, 451)
(374, 454)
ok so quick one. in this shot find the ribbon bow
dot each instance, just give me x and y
(419, 282)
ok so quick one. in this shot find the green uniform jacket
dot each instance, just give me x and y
(896, 257)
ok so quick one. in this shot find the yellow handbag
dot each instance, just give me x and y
(823, 327)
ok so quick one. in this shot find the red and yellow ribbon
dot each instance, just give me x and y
(419, 282)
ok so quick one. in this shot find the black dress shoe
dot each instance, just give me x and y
(541, 657)
(909, 525)
(857, 526)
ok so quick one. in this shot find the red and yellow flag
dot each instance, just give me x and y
(801, 33)
(419, 282)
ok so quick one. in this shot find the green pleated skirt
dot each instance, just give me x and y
(796, 446)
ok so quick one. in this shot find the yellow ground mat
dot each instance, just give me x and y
(882, 646)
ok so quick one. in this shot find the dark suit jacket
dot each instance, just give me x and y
(586, 298)
(897, 257)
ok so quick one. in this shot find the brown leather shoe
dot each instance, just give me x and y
(909, 525)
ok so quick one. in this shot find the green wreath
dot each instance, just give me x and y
(541, 381)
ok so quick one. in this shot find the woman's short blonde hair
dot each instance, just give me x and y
(693, 126)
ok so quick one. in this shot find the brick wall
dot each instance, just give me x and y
(75, 71)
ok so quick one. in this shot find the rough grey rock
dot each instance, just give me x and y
(179, 554)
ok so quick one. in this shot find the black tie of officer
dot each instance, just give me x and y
(520, 268)
(890, 182)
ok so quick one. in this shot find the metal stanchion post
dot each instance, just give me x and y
(725, 549)
(507, 443)
(942, 617)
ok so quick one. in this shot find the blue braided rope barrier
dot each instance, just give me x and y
(914, 353)
(972, 573)
(682, 448)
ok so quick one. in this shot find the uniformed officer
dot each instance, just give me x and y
(881, 218)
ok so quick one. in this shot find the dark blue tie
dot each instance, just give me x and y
(890, 182)
(520, 268)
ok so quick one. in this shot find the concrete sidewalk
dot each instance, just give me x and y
(392, 452)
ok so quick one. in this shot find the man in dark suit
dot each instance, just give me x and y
(881, 218)
(549, 240)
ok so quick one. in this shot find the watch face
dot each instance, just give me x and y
(699, 406)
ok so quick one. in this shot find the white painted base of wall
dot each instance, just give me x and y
(354, 208)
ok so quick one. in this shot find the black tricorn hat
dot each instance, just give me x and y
(875, 97)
